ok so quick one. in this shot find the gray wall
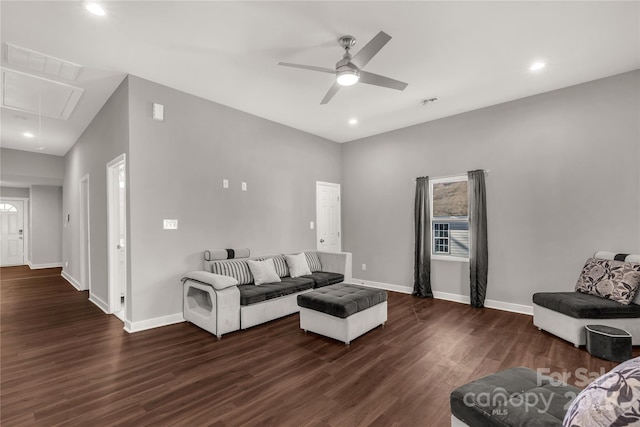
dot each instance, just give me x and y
(563, 184)
(14, 192)
(24, 168)
(176, 172)
(46, 226)
(104, 139)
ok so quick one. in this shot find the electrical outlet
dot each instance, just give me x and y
(66, 264)
(364, 267)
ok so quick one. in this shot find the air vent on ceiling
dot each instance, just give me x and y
(34, 61)
(24, 92)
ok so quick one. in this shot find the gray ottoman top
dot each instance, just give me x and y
(514, 397)
(342, 300)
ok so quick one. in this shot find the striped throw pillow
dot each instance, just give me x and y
(281, 266)
(313, 261)
(239, 270)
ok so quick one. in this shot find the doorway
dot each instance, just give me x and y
(13, 213)
(328, 217)
(85, 236)
(117, 235)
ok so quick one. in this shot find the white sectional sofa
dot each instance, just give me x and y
(222, 298)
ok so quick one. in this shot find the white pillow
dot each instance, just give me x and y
(263, 271)
(218, 281)
(297, 265)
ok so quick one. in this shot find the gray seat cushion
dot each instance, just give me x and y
(342, 300)
(585, 306)
(514, 397)
(252, 294)
(325, 278)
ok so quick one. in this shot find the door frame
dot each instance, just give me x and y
(335, 185)
(26, 226)
(85, 224)
(113, 234)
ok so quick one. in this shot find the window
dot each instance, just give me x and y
(449, 218)
(6, 207)
(441, 238)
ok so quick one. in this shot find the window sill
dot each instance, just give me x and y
(449, 258)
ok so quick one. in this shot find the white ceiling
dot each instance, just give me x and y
(468, 54)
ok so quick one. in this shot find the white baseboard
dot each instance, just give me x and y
(66, 276)
(509, 306)
(463, 299)
(381, 285)
(39, 266)
(99, 303)
(156, 322)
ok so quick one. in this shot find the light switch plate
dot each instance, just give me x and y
(170, 224)
(225, 183)
(244, 186)
(311, 225)
(158, 112)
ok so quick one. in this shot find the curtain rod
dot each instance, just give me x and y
(486, 172)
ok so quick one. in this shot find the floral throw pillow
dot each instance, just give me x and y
(611, 400)
(614, 280)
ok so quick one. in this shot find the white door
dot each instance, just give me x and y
(12, 232)
(117, 231)
(85, 236)
(122, 230)
(328, 216)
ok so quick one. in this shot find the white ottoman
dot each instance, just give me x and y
(342, 311)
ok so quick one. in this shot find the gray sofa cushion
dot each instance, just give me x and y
(325, 278)
(252, 294)
(342, 300)
(584, 306)
(238, 269)
(313, 261)
(514, 397)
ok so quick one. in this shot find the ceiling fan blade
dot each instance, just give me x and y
(308, 67)
(377, 80)
(332, 91)
(365, 54)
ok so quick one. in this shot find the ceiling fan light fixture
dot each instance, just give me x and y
(347, 77)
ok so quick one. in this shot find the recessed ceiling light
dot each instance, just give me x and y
(28, 135)
(537, 66)
(95, 8)
(353, 121)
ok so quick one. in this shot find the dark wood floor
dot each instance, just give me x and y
(64, 362)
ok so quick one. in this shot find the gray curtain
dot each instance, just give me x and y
(478, 252)
(422, 262)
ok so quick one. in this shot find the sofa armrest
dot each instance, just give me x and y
(337, 262)
(218, 281)
(216, 311)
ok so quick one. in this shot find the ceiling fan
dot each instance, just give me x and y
(349, 69)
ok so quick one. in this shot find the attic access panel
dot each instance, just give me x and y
(24, 92)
